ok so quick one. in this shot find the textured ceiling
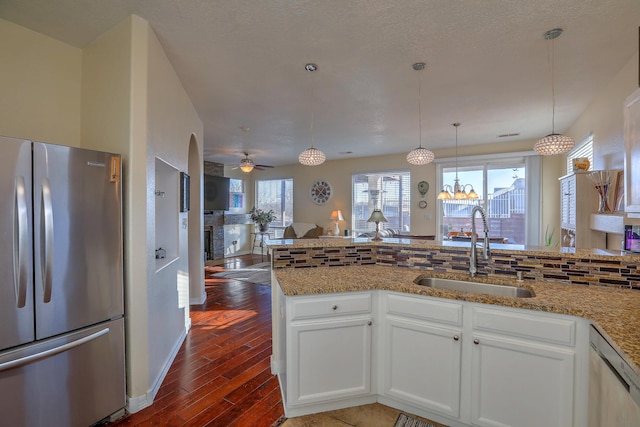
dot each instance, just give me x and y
(242, 63)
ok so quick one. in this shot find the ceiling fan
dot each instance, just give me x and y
(247, 165)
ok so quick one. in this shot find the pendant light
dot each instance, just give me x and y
(420, 155)
(458, 190)
(553, 143)
(311, 156)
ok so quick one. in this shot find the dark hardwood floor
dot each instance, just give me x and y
(221, 375)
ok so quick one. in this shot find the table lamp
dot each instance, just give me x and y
(377, 216)
(336, 216)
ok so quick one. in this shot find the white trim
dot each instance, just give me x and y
(486, 157)
(196, 301)
(137, 403)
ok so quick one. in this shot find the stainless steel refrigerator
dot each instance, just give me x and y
(62, 359)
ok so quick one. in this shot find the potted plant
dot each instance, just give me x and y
(262, 218)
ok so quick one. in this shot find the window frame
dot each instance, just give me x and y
(404, 199)
(289, 217)
(533, 186)
(583, 149)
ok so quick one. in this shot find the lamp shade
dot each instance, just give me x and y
(312, 157)
(377, 216)
(554, 144)
(246, 165)
(337, 216)
(420, 156)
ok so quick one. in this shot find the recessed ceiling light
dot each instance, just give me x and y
(506, 135)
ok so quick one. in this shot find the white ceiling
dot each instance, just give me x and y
(242, 64)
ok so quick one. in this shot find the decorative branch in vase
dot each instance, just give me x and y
(601, 181)
(262, 218)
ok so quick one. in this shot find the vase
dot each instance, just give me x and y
(263, 228)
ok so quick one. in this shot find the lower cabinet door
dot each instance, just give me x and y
(422, 365)
(522, 384)
(331, 360)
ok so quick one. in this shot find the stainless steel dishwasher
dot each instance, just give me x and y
(614, 388)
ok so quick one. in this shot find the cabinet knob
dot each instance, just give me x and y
(335, 307)
(456, 338)
(369, 323)
(476, 341)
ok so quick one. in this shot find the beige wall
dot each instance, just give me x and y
(339, 174)
(119, 94)
(171, 123)
(40, 83)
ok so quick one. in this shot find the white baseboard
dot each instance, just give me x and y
(198, 301)
(137, 403)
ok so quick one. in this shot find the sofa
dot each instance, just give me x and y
(387, 232)
(301, 230)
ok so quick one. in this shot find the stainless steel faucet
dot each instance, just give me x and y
(486, 251)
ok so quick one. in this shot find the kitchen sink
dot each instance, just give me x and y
(476, 287)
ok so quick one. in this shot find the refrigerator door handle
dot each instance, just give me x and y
(51, 352)
(21, 263)
(47, 256)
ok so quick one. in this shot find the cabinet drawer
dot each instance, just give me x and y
(529, 326)
(425, 309)
(334, 305)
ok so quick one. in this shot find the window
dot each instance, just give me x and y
(584, 149)
(388, 191)
(236, 185)
(505, 185)
(276, 195)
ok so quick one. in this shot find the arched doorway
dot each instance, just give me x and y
(197, 294)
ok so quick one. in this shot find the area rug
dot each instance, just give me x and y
(260, 274)
(406, 421)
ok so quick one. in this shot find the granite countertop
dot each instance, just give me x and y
(615, 312)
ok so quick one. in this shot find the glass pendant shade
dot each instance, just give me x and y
(444, 194)
(246, 165)
(312, 157)
(420, 156)
(554, 144)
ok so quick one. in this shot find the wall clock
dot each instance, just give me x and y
(423, 188)
(320, 192)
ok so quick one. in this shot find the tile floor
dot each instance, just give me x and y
(374, 415)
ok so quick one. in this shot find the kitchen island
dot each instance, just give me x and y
(581, 287)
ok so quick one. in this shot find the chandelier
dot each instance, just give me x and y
(553, 143)
(458, 190)
(311, 156)
(420, 155)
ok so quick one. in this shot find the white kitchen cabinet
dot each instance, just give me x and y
(578, 200)
(632, 154)
(456, 362)
(479, 365)
(422, 343)
(329, 356)
(523, 369)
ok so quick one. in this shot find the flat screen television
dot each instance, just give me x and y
(216, 193)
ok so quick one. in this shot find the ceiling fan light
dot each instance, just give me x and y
(554, 144)
(312, 157)
(246, 165)
(420, 156)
